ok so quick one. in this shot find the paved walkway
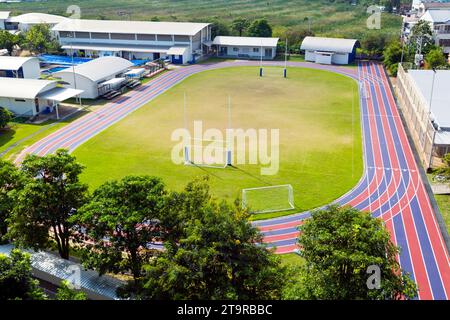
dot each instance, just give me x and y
(391, 187)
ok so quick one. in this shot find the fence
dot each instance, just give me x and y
(416, 112)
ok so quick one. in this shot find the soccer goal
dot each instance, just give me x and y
(208, 153)
(268, 199)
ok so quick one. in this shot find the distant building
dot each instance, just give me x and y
(96, 77)
(19, 67)
(181, 42)
(246, 47)
(4, 15)
(50, 269)
(329, 50)
(425, 106)
(25, 21)
(30, 97)
(440, 24)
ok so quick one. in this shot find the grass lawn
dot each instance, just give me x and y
(291, 259)
(443, 202)
(20, 135)
(320, 136)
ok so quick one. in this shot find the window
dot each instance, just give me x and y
(146, 37)
(82, 35)
(235, 49)
(123, 36)
(256, 50)
(20, 100)
(99, 35)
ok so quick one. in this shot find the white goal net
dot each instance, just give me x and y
(207, 153)
(268, 199)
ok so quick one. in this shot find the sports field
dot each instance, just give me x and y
(317, 113)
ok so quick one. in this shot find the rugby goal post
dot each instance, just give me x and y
(268, 199)
(208, 153)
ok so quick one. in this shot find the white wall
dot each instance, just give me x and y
(18, 107)
(249, 51)
(90, 87)
(31, 69)
(340, 58)
(310, 56)
(337, 58)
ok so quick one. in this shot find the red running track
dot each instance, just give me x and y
(391, 187)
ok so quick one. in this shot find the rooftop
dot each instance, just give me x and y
(329, 44)
(14, 63)
(54, 266)
(439, 16)
(35, 17)
(246, 41)
(137, 27)
(24, 88)
(440, 106)
(99, 68)
(4, 15)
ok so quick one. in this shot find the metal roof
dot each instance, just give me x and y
(99, 68)
(246, 41)
(329, 44)
(14, 63)
(4, 15)
(36, 17)
(60, 94)
(437, 16)
(177, 51)
(136, 27)
(105, 285)
(24, 88)
(440, 106)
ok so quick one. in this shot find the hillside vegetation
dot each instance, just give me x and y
(326, 17)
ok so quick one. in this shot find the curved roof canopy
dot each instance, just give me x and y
(99, 68)
(35, 18)
(14, 63)
(24, 88)
(329, 44)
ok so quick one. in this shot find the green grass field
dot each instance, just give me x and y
(320, 137)
(443, 202)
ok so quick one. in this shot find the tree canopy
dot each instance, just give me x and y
(340, 246)
(216, 255)
(39, 39)
(5, 117)
(121, 220)
(51, 195)
(260, 28)
(16, 281)
(435, 58)
(392, 57)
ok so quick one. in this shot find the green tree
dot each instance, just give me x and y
(443, 173)
(52, 194)
(5, 117)
(392, 57)
(8, 40)
(219, 28)
(127, 213)
(216, 256)
(421, 36)
(239, 25)
(66, 292)
(339, 244)
(260, 28)
(435, 58)
(16, 281)
(374, 44)
(11, 179)
(39, 39)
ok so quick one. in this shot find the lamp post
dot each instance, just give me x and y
(429, 116)
(285, 58)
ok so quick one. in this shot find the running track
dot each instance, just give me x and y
(391, 187)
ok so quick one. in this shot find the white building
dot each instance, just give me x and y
(181, 42)
(19, 67)
(4, 16)
(29, 97)
(246, 47)
(440, 24)
(25, 21)
(96, 77)
(329, 50)
(424, 98)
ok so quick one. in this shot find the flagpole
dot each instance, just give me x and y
(285, 59)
